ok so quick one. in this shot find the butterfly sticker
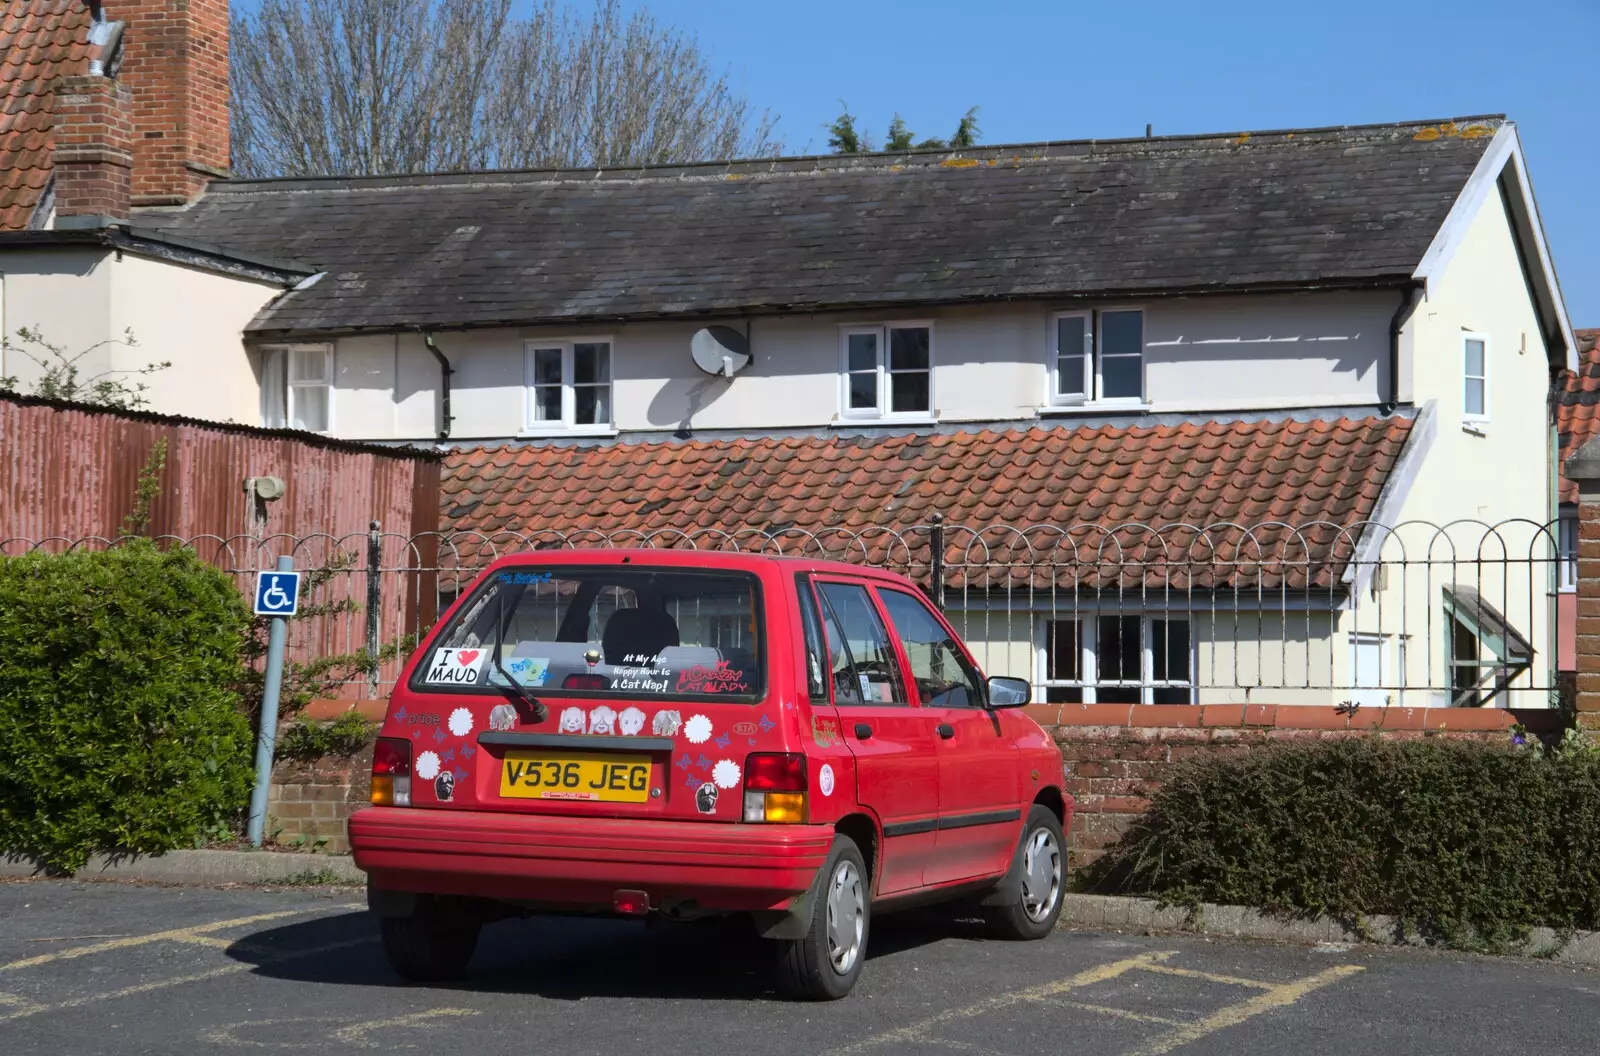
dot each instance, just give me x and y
(449, 756)
(703, 762)
(723, 740)
(766, 724)
(467, 750)
(691, 782)
(683, 762)
(400, 716)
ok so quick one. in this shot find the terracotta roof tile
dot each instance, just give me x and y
(40, 40)
(1578, 413)
(1087, 481)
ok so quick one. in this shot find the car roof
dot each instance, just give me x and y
(722, 559)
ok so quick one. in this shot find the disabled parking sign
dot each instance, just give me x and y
(277, 593)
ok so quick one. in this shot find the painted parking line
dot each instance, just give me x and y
(170, 935)
(356, 1035)
(1273, 996)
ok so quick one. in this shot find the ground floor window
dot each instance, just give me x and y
(1117, 658)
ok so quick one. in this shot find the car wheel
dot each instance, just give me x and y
(825, 964)
(432, 945)
(1034, 885)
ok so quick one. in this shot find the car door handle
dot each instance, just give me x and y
(863, 732)
(945, 730)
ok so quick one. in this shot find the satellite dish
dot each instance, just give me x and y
(720, 350)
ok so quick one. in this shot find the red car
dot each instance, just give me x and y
(691, 734)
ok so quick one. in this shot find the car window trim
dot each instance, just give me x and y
(895, 646)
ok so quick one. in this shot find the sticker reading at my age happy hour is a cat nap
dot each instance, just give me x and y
(455, 667)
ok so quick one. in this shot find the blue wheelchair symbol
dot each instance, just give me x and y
(277, 593)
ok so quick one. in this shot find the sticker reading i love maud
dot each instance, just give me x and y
(455, 667)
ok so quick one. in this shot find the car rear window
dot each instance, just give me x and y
(604, 632)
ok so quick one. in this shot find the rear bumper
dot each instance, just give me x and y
(581, 862)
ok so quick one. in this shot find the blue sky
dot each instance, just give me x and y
(1058, 69)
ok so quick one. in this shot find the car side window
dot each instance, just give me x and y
(944, 677)
(816, 685)
(865, 668)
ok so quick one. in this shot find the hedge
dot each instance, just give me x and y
(120, 726)
(1468, 843)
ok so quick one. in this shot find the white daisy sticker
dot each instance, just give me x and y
(825, 780)
(725, 773)
(427, 766)
(460, 722)
(697, 729)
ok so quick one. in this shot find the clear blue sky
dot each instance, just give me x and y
(1060, 69)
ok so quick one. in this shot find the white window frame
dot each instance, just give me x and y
(1567, 551)
(1094, 382)
(277, 358)
(534, 426)
(882, 412)
(1088, 662)
(1468, 416)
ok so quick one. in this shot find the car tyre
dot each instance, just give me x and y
(432, 945)
(825, 964)
(1036, 882)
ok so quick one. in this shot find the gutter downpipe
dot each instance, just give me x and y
(1397, 322)
(445, 370)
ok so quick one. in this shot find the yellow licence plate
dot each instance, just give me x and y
(594, 776)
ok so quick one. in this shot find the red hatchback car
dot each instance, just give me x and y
(690, 734)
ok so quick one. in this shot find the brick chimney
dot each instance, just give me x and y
(93, 148)
(175, 63)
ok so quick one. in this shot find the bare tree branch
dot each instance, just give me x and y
(357, 87)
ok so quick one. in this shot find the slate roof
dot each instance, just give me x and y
(1578, 413)
(1049, 220)
(1036, 496)
(40, 40)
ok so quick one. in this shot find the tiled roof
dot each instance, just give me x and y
(40, 40)
(876, 496)
(1045, 220)
(1578, 414)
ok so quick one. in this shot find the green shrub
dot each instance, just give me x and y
(1464, 842)
(120, 726)
(343, 737)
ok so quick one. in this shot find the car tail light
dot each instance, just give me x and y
(586, 682)
(391, 772)
(775, 788)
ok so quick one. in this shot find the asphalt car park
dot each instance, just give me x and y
(115, 968)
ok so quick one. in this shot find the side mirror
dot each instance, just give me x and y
(1008, 692)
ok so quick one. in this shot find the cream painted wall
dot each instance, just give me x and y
(990, 366)
(195, 319)
(64, 295)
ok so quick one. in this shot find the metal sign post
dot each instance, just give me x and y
(277, 596)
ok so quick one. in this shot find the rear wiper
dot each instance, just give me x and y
(536, 711)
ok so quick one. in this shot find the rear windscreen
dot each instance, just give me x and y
(604, 632)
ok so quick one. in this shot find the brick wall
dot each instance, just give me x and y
(1115, 755)
(312, 800)
(176, 63)
(93, 147)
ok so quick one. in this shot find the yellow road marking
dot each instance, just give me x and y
(198, 977)
(1122, 1013)
(15, 1001)
(1211, 977)
(1281, 995)
(921, 1031)
(199, 940)
(356, 1033)
(178, 934)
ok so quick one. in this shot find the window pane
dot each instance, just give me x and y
(547, 403)
(1063, 651)
(1475, 359)
(1122, 333)
(944, 678)
(1071, 376)
(309, 408)
(908, 392)
(547, 366)
(308, 364)
(593, 405)
(274, 391)
(591, 363)
(908, 348)
(1063, 695)
(1121, 377)
(863, 351)
(863, 391)
(1474, 395)
(1169, 648)
(1117, 650)
(877, 670)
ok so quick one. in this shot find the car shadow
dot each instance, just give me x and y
(565, 958)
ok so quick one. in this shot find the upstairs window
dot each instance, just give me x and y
(568, 385)
(297, 387)
(888, 371)
(1097, 357)
(1475, 378)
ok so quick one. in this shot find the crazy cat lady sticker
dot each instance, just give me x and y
(456, 667)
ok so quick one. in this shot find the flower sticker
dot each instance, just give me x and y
(697, 729)
(725, 773)
(460, 722)
(427, 766)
